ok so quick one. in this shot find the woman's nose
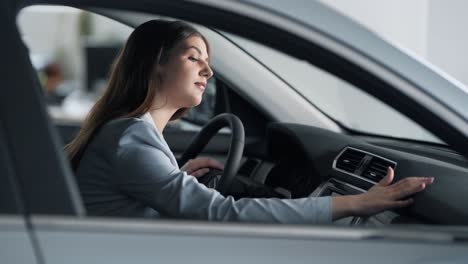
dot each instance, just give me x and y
(206, 71)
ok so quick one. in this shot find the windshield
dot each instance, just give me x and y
(343, 102)
(445, 51)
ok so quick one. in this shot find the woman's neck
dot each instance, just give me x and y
(161, 117)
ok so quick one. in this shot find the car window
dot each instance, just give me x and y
(321, 16)
(72, 55)
(338, 99)
(56, 78)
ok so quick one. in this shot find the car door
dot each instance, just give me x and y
(64, 234)
(17, 244)
(17, 241)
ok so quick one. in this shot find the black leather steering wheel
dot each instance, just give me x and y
(235, 149)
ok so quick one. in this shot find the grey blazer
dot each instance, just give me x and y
(128, 170)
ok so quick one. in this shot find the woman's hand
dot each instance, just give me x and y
(200, 166)
(383, 196)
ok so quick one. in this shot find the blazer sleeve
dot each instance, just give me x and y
(145, 172)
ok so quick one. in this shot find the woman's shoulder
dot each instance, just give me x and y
(107, 140)
(124, 126)
(121, 123)
(130, 132)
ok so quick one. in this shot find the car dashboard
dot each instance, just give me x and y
(300, 161)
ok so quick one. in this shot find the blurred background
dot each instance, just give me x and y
(72, 51)
(431, 29)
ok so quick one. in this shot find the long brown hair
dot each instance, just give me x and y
(133, 77)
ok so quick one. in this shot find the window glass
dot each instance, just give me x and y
(74, 74)
(72, 53)
(338, 99)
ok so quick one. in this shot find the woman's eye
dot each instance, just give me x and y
(193, 59)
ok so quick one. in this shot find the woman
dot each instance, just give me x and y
(124, 166)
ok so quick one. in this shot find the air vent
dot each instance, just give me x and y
(376, 169)
(363, 164)
(248, 167)
(349, 160)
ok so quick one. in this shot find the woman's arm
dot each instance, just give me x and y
(383, 196)
(144, 172)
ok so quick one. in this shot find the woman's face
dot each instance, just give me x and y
(184, 76)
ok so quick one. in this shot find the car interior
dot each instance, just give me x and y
(289, 160)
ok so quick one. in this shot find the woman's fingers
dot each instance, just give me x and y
(409, 189)
(385, 196)
(212, 163)
(195, 164)
(412, 180)
(410, 186)
(205, 162)
(187, 167)
(387, 180)
(200, 172)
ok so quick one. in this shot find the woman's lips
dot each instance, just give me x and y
(201, 85)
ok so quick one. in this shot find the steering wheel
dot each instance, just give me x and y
(236, 147)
